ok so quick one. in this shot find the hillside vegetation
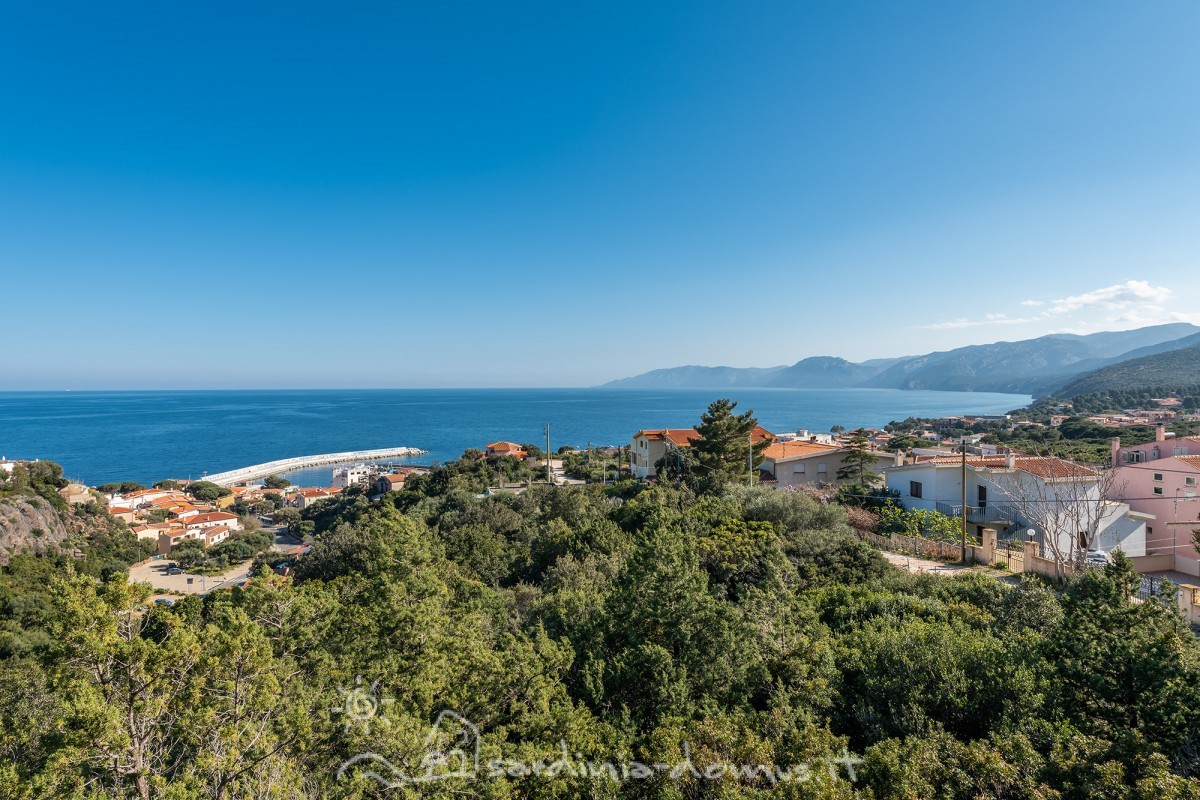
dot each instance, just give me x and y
(1173, 368)
(738, 626)
(35, 520)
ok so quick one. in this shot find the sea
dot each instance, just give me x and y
(147, 436)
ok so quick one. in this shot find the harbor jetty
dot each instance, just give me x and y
(299, 462)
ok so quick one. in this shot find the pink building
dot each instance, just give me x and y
(1168, 487)
(1165, 445)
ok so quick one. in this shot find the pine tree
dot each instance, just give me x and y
(724, 452)
(857, 460)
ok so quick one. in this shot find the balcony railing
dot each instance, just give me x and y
(989, 512)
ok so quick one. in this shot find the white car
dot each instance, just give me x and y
(1097, 558)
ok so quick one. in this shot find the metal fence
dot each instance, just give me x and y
(1011, 545)
(1154, 588)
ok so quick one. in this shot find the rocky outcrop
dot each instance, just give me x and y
(32, 523)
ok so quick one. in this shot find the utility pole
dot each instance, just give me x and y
(964, 502)
(548, 478)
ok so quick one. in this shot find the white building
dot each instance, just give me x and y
(805, 435)
(348, 476)
(649, 446)
(1060, 501)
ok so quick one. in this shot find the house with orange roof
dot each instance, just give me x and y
(212, 519)
(650, 445)
(122, 513)
(392, 482)
(154, 530)
(800, 463)
(172, 537)
(510, 449)
(217, 534)
(304, 497)
(143, 497)
(1059, 504)
(182, 510)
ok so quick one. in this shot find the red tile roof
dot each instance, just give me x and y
(680, 437)
(781, 450)
(1041, 466)
(214, 516)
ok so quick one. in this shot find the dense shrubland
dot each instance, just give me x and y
(749, 623)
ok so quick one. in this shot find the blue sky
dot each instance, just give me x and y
(503, 194)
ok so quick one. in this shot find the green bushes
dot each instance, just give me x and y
(751, 624)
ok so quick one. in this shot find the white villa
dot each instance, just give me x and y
(1060, 504)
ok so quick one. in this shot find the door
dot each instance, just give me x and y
(981, 497)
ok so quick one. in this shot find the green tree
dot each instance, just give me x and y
(189, 553)
(857, 460)
(724, 452)
(276, 482)
(123, 487)
(206, 491)
(288, 517)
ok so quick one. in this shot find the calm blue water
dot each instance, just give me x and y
(147, 436)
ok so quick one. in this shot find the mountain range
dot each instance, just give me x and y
(1032, 366)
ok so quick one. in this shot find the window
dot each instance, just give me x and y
(1158, 490)
(798, 469)
(1158, 477)
(821, 469)
(1189, 494)
(914, 489)
(1180, 451)
(1190, 481)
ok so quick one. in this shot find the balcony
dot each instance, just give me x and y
(988, 514)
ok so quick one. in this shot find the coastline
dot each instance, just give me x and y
(148, 436)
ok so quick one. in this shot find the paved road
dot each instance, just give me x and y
(155, 574)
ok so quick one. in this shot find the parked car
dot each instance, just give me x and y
(164, 601)
(1097, 558)
(174, 571)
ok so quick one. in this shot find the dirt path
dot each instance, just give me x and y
(922, 566)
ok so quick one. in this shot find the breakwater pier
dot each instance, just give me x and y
(299, 462)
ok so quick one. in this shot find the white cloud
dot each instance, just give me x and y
(1152, 315)
(1132, 304)
(1117, 297)
(991, 318)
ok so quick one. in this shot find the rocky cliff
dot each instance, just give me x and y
(31, 522)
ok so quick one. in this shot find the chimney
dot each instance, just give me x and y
(1160, 432)
(1116, 450)
(1010, 459)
